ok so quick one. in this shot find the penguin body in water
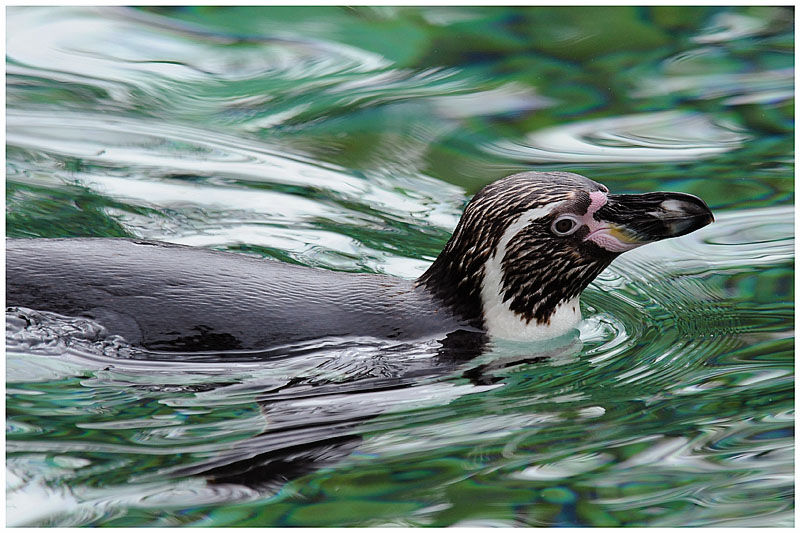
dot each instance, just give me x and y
(525, 248)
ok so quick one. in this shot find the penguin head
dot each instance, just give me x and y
(527, 246)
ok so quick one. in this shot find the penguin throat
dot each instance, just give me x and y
(502, 322)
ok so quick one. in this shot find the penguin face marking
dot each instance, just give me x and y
(532, 282)
(502, 296)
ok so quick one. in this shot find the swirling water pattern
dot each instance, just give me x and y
(350, 139)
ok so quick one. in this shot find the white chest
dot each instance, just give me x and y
(503, 323)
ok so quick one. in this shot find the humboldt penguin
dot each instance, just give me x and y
(516, 264)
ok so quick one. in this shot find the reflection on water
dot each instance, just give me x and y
(351, 139)
(665, 136)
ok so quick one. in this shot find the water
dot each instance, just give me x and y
(350, 139)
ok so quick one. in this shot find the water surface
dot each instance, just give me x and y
(351, 139)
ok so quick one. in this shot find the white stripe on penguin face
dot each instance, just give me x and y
(499, 320)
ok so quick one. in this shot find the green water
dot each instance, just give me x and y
(350, 139)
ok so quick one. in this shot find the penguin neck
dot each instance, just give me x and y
(481, 303)
(450, 282)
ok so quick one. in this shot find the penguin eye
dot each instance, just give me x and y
(564, 225)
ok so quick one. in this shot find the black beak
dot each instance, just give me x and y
(636, 219)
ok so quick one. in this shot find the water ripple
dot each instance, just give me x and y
(649, 137)
(63, 48)
(223, 191)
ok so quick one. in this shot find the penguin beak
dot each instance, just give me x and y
(627, 221)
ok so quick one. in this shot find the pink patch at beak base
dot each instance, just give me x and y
(599, 199)
(600, 233)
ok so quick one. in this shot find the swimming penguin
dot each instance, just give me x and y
(522, 253)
